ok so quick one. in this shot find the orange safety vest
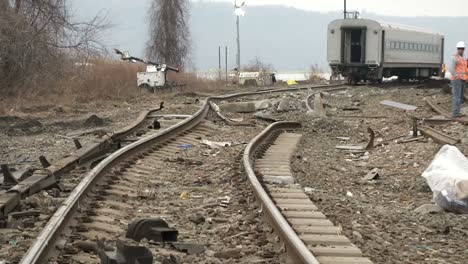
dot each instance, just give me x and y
(460, 68)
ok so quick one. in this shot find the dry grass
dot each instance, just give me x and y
(101, 81)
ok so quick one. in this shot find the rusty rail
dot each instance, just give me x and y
(46, 177)
(438, 136)
(445, 113)
(296, 249)
(47, 239)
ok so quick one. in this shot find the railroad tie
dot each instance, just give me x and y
(320, 235)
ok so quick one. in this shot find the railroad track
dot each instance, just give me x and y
(309, 237)
(21, 203)
(101, 184)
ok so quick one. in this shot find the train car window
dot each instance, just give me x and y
(411, 46)
(392, 45)
(405, 45)
(397, 45)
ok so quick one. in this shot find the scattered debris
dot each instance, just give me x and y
(399, 105)
(343, 138)
(224, 201)
(127, 252)
(189, 248)
(93, 131)
(403, 141)
(154, 229)
(351, 108)
(447, 114)
(363, 117)
(263, 104)
(429, 209)
(184, 196)
(238, 107)
(184, 161)
(214, 144)
(231, 122)
(447, 176)
(93, 121)
(374, 174)
(438, 136)
(266, 116)
(319, 109)
(185, 146)
(370, 143)
(229, 254)
(197, 218)
(289, 103)
(350, 194)
(433, 121)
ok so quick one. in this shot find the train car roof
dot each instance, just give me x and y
(383, 24)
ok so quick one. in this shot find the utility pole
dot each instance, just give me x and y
(238, 46)
(239, 12)
(226, 57)
(219, 63)
(344, 12)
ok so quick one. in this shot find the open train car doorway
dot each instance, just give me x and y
(354, 45)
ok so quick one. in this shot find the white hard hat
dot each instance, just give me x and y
(461, 44)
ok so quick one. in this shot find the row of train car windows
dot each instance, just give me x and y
(397, 45)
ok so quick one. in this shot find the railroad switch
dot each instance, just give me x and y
(127, 252)
(154, 229)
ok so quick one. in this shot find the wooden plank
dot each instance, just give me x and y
(338, 251)
(333, 240)
(343, 260)
(304, 214)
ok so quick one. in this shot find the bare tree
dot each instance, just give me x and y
(170, 35)
(38, 36)
(258, 65)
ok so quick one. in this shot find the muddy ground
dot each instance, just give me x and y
(379, 215)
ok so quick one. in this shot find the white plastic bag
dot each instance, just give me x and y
(447, 176)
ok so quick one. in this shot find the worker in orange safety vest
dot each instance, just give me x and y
(459, 71)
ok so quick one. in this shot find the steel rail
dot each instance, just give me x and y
(47, 239)
(309, 98)
(296, 249)
(45, 177)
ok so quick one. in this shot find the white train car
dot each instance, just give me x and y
(363, 49)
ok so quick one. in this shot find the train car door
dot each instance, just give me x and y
(354, 45)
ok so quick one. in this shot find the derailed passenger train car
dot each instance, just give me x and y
(363, 49)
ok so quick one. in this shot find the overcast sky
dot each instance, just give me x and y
(384, 7)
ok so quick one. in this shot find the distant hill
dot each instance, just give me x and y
(288, 38)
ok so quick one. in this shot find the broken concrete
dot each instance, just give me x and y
(239, 107)
(263, 104)
(289, 103)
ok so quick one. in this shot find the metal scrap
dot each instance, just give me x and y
(447, 114)
(370, 143)
(214, 144)
(438, 136)
(154, 229)
(399, 105)
(227, 120)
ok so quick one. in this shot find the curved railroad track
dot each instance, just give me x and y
(100, 185)
(308, 236)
